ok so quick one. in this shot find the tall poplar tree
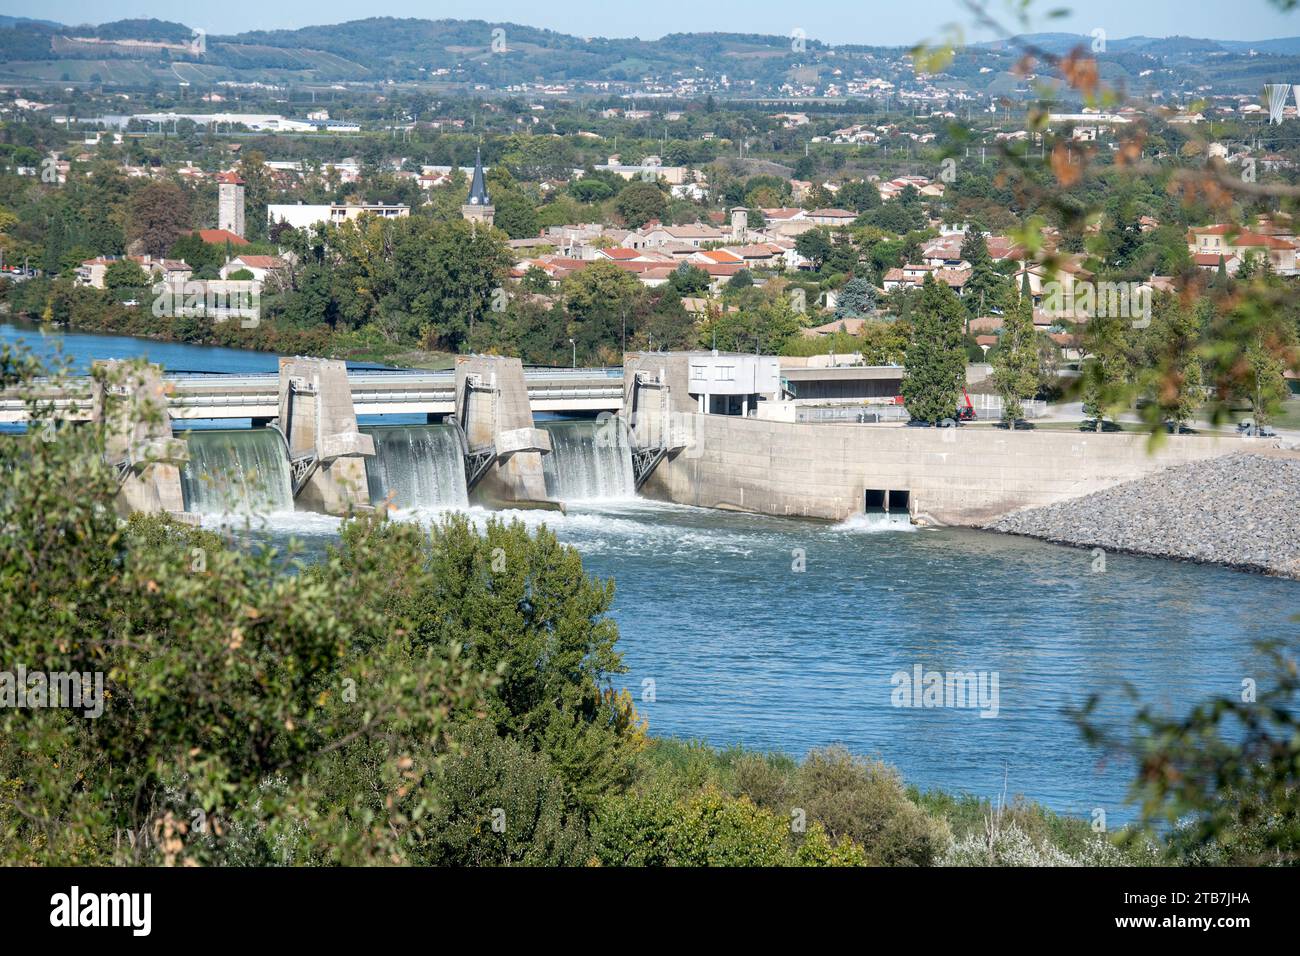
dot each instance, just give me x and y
(1015, 363)
(936, 357)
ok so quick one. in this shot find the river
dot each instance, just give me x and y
(787, 635)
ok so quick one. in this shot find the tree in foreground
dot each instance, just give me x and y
(1221, 784)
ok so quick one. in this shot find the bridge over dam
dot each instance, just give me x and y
(713, 430)
(193, 396)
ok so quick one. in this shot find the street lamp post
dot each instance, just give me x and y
(575, 352)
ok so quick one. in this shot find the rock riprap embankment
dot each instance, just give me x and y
(1239, 510)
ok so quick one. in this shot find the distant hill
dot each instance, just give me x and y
(478, 53)
(7, 21)
(1062, 43)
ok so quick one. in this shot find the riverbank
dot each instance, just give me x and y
(1239, 511)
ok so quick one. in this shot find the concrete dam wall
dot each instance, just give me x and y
(959, 476)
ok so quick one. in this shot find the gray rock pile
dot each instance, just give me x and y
(1239, 510)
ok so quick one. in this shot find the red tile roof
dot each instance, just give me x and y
(220, 237)
(261, 262)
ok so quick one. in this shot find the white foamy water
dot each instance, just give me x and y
(876, 524)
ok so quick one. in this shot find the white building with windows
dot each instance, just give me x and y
(733, 383)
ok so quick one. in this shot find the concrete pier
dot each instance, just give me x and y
(130, 400)
(493, 410)
(326, 450)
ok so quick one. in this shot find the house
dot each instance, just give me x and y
(715, 257)
(621, 254)
(1210, 262)
(304, 216)
(783, 215)
(695, 235)
(260, 266)
(762, 255)
(832, 217)
(1227, 239)
(944, 250)
(908, 277)
(1056, 289)
(673, 175)
(895, 187)
(92, 272)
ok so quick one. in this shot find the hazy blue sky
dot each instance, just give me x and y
(834, 21)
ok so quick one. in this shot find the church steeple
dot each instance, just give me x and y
(478, 206)
(478, 194)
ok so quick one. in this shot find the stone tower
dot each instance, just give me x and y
(478, 207)
(230, 203)
(739, 223)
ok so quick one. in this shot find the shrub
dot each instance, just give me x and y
(865, 801)
(707, 829)
(500, 804)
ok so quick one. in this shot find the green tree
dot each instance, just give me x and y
(1015, 362)
(1172, 379)
(157, 215)
(1106, 366)
(936, 358)
(252, 712)
(597, 296)
(521, 607)
(858, 195)
(856, 300)
(689, 280)
(125, 274)
(639, 203)
(515, 214)
(987, 289)
(814, 245)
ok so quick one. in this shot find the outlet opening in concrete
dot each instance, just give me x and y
(897, 502)
(876, 502)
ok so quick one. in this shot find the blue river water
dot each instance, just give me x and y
(739, 647)
(787, 635)
(79, 349)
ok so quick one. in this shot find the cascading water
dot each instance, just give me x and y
(420, 466)
(588, 460)
(244, 472)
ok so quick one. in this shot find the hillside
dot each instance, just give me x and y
(479, 53)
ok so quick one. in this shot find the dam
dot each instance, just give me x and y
(711, 430)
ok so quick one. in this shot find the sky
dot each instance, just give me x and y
(885, 22)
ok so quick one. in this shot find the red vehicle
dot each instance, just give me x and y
(966, 412)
